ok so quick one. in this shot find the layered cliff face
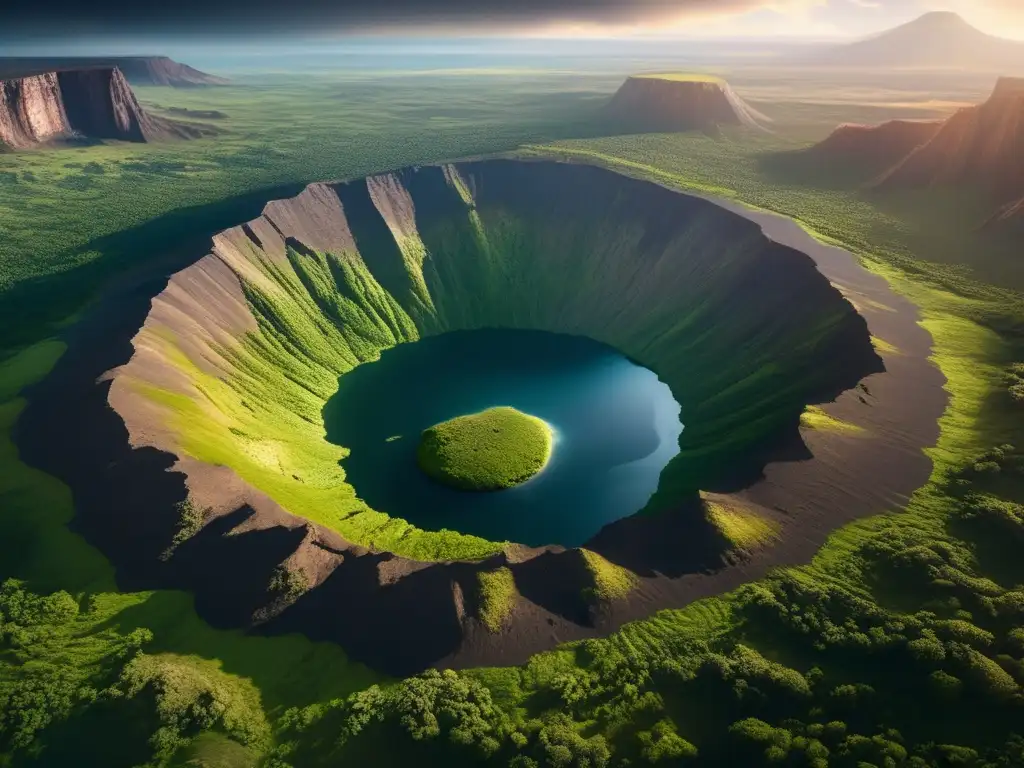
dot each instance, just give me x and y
(100, 103)
(249, 343)
(679, 103)
(95, 102)
(31, 111)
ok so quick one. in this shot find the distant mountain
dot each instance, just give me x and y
(980, 148)
(138, 70)
(1009, 219)
(938, 40)
(981, 145)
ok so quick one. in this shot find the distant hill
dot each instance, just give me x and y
(938, 40)
(979, 147)
(138, 70)
(679, 102)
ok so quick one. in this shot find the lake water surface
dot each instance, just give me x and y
(616, 427)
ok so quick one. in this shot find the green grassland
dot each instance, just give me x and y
(487, 451)
(901, 644)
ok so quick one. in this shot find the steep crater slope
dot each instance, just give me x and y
(679, 102)
(94, 103)
(246, 503)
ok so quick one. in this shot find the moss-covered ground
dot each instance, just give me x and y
(488, 451)
(743, 528)
(497, 597)
(899, 645)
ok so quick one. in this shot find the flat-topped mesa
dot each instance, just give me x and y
(94, 102)
(679, 102)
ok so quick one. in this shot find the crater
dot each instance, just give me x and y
(216, 417)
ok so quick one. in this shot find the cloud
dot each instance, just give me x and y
(268, 18)
(274, 15)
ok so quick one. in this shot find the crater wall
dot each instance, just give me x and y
(221, 395)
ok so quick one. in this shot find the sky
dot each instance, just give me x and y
(808, 19)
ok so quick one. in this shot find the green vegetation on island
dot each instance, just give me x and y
(488, 451)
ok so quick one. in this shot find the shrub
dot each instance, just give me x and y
(662, 743)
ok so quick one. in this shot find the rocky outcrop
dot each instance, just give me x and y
(94, 102)
(139, 70)
(714, 298)
(31, 111)
(679, 103)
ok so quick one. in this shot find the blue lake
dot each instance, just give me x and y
(616, 427)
